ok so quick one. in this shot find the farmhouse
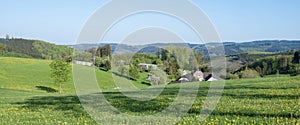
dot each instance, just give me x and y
(197, 76)
(210, 77)
(83, 63)
(145, 66)
(186, 78)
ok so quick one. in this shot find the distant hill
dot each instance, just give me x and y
(44, 50)
(268, 46)
(3, 41)
(35, 49)
(231, 48)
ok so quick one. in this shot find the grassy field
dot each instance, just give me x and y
(28, 97)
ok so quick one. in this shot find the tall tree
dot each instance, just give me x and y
(60, 72)
(104, 51)
(198, 55)
(294, 70)
(107, 65)
(93, 51)
(134, 70)
(164, 54)
(296, 58)
(265, 68)
(172, 68)
(193, 63)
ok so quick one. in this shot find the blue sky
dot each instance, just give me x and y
(60, 21)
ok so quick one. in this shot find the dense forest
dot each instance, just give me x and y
(261, 64)
(15, 47)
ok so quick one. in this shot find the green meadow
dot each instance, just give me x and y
(28, 96)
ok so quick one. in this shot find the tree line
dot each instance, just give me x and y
(287, 63)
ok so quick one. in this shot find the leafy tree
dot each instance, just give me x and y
(107, 65)
(265, 68)
(164, 54)
(83, 56)
(283, 65)
(134, 70)
(123, 70)
(172, 68)
(259, 70)
(157, 77)
(3, 49)
(93, 51)
(104, 51)
(232, 76)
(68, 59)
(60, 72)
(295, 70)
(103, 57)
(296, 58)
(157, 62)
(98, 61)
(193, 63)
(250, 74)
(198, 55)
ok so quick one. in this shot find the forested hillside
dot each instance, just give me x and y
(34, 49)
(262, 64)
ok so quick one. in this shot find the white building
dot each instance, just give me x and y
(83, 63)
(147, 66)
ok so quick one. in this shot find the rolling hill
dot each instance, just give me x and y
(28, 97)
(35, 49)
(44, 50)
(231, 48)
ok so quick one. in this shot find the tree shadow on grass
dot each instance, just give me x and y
(263, 96)
(123, 76)
(241, 87)
(158, 104)
(47, 89)
(146, 83)
(248, 114)
(123, 103)
(72, 104)
(57, 103)
(126, 104)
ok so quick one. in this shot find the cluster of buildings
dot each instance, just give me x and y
(196, 76)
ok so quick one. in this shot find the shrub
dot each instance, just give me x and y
(157, 77)
(123, 70)
(134, 72)
(107, 65)
(232, 76)
(294, 70)
(249, 73)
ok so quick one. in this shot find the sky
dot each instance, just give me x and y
(60, 21)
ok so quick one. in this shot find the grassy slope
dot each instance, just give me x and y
(270, 100)
(21, 74)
